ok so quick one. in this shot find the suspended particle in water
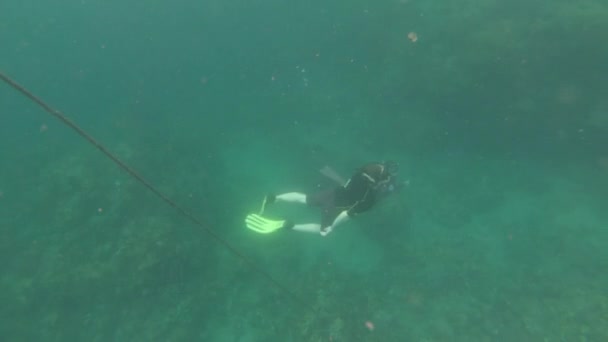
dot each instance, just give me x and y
(370, 325)
(412, 36)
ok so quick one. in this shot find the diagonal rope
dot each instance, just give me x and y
(61, 117)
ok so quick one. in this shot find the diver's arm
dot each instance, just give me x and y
(342, 217)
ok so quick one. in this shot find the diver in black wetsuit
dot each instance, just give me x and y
(361, 192)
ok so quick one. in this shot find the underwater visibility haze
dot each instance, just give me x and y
(497, 113)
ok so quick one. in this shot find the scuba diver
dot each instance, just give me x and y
(369, 184)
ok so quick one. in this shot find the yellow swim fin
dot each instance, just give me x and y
(263, 225)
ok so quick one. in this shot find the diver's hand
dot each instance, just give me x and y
(326, 230)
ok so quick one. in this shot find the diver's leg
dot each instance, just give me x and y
(319, 199)
(296, 197)
(292, 197)
(307, 228)
(331, 219)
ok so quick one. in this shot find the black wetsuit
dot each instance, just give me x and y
(358, 195)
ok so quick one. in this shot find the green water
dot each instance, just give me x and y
(497, 113)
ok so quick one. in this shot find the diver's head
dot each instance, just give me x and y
(386, 182)
(391, 168)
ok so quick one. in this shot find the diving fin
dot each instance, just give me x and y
(263, 225)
